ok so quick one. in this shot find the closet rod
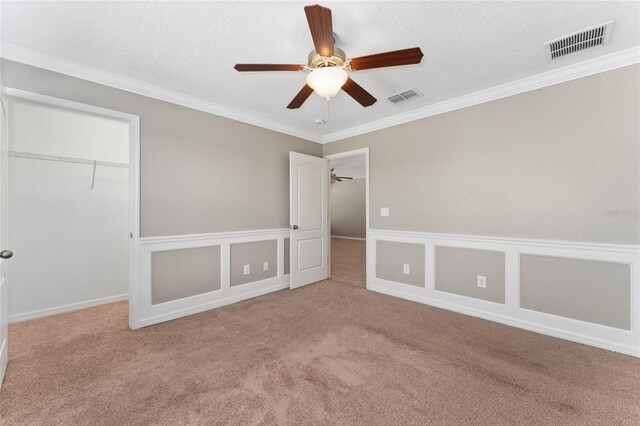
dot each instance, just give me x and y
(94, 163)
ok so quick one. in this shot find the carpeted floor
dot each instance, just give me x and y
(328, 353)
(348, 261)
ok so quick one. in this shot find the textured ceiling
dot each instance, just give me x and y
(192, 47)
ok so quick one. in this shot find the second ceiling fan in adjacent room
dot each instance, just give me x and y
(328, 65)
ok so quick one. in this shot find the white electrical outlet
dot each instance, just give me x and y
(406, 269)
(247, 269)
(265, 266)
(384, 211)
(482, 281)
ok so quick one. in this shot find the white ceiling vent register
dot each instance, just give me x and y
(403, 96)
(580, 40)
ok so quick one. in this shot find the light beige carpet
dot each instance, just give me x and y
(329, 353)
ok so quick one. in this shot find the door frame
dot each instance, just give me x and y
(134, 179)
(354, 153)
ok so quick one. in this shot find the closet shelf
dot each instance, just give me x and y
(94, 163)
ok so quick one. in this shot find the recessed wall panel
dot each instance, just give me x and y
(309, 253)
(587, 290)
(457, 271)
(176, 274)
(310, 202)
(392, 256)
(253, 254)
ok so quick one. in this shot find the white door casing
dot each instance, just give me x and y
(309, 181)
(4, 302)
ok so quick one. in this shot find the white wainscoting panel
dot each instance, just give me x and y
(510, 313)
(153, 314)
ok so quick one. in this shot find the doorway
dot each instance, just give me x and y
(349, 217)
(73, 205)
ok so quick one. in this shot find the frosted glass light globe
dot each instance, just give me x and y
(327, 81)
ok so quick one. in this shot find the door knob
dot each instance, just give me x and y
(6, 254)
(294, 227)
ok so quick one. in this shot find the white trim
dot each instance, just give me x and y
(560, 75)
(134, 178)
(4, 359)
(250, 235)
(353, 153)
(510, 313)
(576, 245)
(198, 308)
(25, 316)
(609, 62)
(23, 55)
(153, 314)
(349, 238)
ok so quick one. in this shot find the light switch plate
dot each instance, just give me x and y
(265, 266)
(406, 269)
(384, 211)
(247, 269)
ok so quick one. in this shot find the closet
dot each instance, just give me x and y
(67, 209)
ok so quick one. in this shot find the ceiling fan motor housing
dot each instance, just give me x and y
(338, 59)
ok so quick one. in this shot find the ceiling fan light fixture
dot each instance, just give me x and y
(327, 81)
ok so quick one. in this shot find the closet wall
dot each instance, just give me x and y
(70, 241)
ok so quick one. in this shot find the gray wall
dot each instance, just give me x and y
(390, 257)
(457, 271)
(348, 208)
(199, 172)
(562, 162)
(253, 254)
(594, 291)
(176, 274)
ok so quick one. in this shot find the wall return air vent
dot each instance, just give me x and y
(403, 96)
(580, 40)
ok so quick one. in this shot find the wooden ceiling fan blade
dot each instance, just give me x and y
(268, 67)
(321, 26)
(388, 59)
(300, 97)
(356, 91)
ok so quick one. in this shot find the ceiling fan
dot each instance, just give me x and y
(329, 65)
(338, 178)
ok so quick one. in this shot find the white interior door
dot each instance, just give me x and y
(309, 217)
(4, 254)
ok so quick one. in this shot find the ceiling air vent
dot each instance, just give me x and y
(580, 40)
(403, 96)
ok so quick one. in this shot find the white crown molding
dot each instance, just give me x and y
(26, 56)
(64, 66)
(572, 72)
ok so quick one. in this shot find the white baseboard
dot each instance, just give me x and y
(217, 303)
(4, 358)
(25, 316)
(511, 313)
(392, 290)
(349, 238)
